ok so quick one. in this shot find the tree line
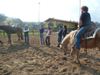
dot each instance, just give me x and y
(4, 20)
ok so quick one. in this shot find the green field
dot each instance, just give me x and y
(30, 33)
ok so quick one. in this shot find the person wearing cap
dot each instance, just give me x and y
(48, 34)
(26, 30)
(41, 34)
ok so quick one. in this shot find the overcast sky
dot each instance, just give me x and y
(28, 10)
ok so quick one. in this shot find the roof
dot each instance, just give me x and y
(52, 19)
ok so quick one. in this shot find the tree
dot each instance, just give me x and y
(18, 22)
(59, 24)
(42, 23)
(2, 18)
(8, 21)
(30, 26)
(51, 24)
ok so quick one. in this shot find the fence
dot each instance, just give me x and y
(31, 32)
(2, 33)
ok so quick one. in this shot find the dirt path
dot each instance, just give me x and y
(36, 59)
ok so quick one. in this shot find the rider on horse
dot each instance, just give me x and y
(83, 25)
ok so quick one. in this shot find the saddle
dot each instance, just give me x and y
(89, 31)
(83, 37)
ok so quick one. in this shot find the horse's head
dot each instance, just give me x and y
(63, 48)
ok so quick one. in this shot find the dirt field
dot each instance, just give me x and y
(36, 59)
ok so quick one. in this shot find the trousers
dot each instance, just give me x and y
(80, 33)
(42, 39)
(26, 38)
(47, 40)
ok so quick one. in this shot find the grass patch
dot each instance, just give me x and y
(30, 33)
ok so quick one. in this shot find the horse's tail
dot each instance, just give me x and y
(21, 35)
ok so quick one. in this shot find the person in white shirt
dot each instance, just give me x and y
(26, 30)
(48, 36)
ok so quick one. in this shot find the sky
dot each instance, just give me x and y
(32, 11)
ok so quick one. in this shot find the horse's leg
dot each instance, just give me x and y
(77, 60)
(97, 44)
(18, 36)
(85, 46)
(72, 52)
(65, 51)
(98, 47)
(9, 38)
(21, 35)
(77, 55)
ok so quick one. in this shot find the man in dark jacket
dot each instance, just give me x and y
(59, 35)
(41, 34)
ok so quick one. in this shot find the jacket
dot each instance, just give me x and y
(48, 32)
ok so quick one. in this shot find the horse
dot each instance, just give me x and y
(70, 39)
(12, 30)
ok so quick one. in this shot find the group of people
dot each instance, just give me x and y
(61, 34)
(48, 34)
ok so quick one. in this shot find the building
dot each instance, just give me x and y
(51, 22)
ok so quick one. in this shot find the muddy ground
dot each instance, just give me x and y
(36, 59)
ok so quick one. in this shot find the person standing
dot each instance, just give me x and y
(59, 35)
(26, 30)
(64, 32)
(41, 34)
(48, 36)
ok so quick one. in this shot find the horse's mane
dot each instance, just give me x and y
(73, 31)
(69, 37)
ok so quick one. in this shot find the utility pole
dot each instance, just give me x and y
(79, 7)
(39, 14)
